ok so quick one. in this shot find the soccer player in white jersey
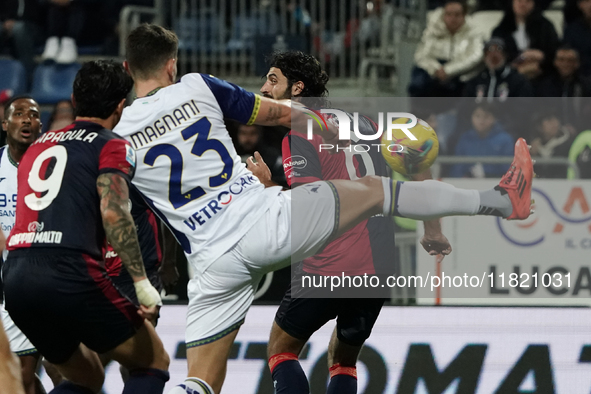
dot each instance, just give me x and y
(22, 126)
(233, 229)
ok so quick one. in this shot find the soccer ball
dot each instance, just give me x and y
(408, 157)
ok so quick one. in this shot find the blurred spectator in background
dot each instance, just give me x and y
(486, 138)
(65, 22)
(449, 50)
(62, 115)
(530, 38)
(19, 21)
(580, 154)
(5, 95)
(564, 80)
(499, 79)
(249, 140)
(550, 139)
(578, 35)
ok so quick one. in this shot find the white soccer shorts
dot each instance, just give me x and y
(297, 225)
(19, 344)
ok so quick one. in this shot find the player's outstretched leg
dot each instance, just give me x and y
(288, 375)
(428, 200)
(146, 360)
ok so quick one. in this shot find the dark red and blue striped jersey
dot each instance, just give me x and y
(58, 205)
(367, 248)
(148, 235)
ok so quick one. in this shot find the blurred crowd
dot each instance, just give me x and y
(523, 81)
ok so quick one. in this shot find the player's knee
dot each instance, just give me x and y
(161, 359)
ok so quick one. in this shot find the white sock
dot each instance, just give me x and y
(195, 385)
(431, 199)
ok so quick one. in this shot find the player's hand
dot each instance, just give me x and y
(436, 244)
(147, 295)
(169, 275)
(150, 314)
(259, 168)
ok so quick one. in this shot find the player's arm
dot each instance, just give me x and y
(294, 116)
(122, 235)
(433, 240)
(10, 371)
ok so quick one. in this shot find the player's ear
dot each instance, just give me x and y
(126, 66)
(171, 69)
(297, 88)
(5, 125)
(73, 100)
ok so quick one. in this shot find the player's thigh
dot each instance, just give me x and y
(219, 298)
(314, 218)
(83, 368)
(19, 343)
(142, 350)
(37, 291)
(356, 319)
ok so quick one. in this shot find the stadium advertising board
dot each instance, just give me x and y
(419, 350)
(543, 260)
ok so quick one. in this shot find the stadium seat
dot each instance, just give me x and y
(52, 83)
(13, 76)
(485, 22)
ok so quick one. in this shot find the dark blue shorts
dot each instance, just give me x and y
(301, 317)
(61, 298)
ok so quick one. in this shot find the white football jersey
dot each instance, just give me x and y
(8, 188)
(187, 168)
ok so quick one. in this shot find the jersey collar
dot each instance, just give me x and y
(10, 159)
(150, 93)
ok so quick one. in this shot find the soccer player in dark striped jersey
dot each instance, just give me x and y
(73, 196)
(367, 248)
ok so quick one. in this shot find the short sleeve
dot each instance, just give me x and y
(235, 102)
(117, 156)
(301, 163)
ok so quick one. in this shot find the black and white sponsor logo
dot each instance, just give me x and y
(296, 162)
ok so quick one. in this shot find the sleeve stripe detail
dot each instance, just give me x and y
(255, 110)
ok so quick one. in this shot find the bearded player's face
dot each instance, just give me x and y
(276, 86)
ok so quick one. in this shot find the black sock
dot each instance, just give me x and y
(66, 387)
(495, 202)
(343, 380)
(289, 378)
(146, 381)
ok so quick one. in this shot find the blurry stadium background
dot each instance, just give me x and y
(510, 340)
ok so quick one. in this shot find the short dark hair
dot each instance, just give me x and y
(298, 66)
(486, 107)
(567, 47)
(148, 48)
(463, 3)
(99, 87)
(12, 100)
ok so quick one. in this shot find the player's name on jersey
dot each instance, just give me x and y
(70, 135)
(44, 237)
(181, 114)
(224, 198)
